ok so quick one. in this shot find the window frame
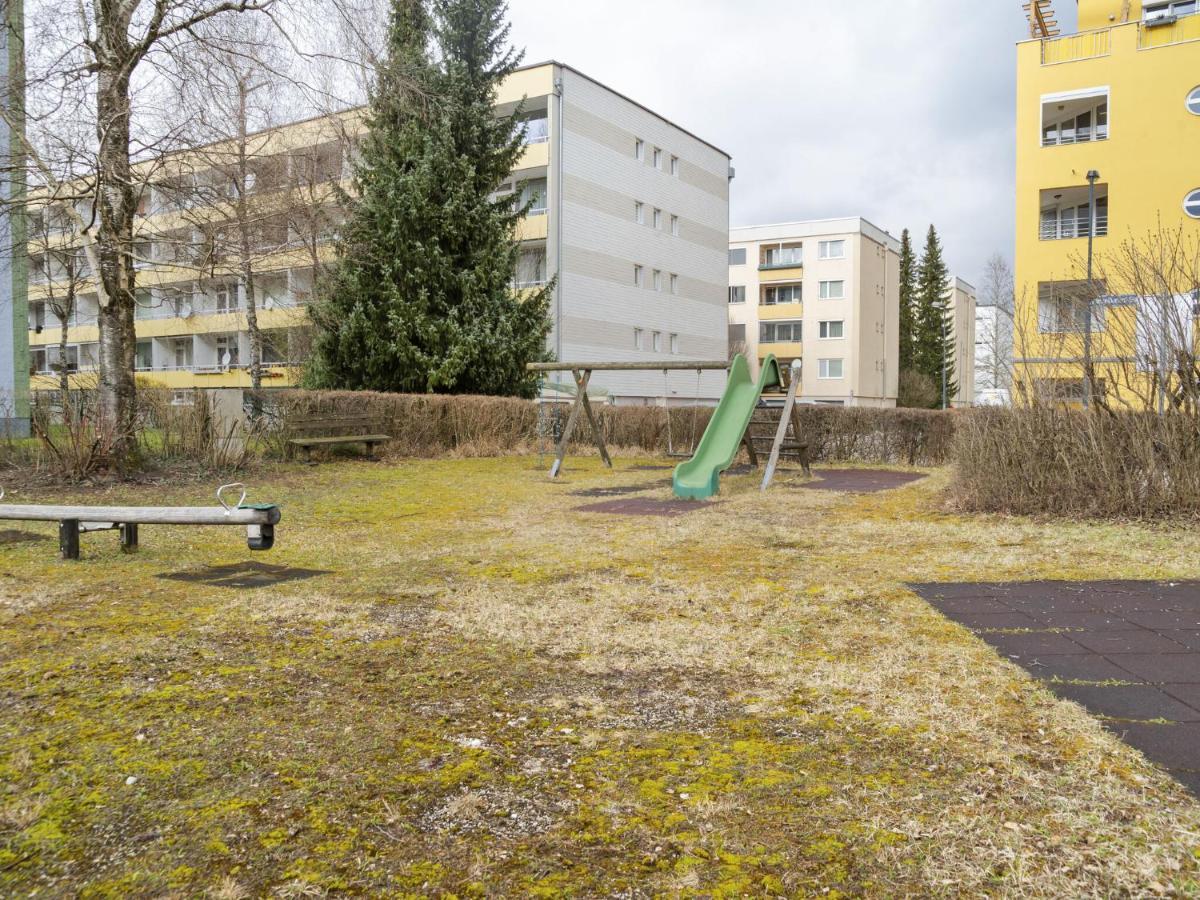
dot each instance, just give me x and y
(737, 288)
(1192, 101)
(738, 251)
(673, 344)
(639, 150)
(825, 327)
(639, 339)
(828, 296)
(822, 249)
(1192, 199)
(674, 280)
(639, 212)
(823, 368)
(795, 292)
(639, 275)
(768, 331)
(656, 342)
(658, 219)
(675, 166)
(658, 281)
(675, 226)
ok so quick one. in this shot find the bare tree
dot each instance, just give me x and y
(57, 263)
(994, 332)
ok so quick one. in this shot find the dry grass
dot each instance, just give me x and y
(493, 694)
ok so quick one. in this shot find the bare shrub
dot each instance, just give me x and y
(913, 437)
(1051, 460)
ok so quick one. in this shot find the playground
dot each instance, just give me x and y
(465, 677)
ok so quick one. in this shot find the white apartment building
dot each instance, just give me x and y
(827, 293)
(994, 332)
(630, 216)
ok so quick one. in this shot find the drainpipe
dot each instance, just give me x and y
(558, 223)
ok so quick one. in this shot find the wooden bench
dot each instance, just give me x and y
(259, 520)
(333, 431)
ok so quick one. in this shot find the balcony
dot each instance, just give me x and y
(1075, 47)
(782, 257)
(1066, 214)
(1074, 119)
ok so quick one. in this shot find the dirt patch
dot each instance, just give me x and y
(13, 536)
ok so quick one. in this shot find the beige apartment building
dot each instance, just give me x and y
(963, 303)
(826, 293)
(630, 216)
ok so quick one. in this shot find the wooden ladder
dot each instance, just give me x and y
(777, 429)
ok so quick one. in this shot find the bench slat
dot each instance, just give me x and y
(142, 515)
(345, 439)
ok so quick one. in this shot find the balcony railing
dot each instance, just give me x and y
(775, 261)
(1077, 136)
(1065, 229)
(1074, 47)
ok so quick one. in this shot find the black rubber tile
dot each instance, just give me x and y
(1189, 639)
(1085, 621)
(1138, 701)
(1161, 668)
(1000, 620)
(1142, 641)
(1034, 604)
(966, 606)
(1185, 693)
(243, 575)
(1034, 644)
(1173, 746)
(1092, 667)
(860, 481)
(1189, 779)
(1159, 619)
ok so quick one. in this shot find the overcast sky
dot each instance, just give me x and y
(901, 111)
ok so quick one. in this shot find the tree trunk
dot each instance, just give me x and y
(64, 376)
(245, 246)
(114, 241)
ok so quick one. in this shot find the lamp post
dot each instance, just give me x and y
(1092, 176)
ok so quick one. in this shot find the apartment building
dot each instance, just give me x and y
(1121, 99)
(630, 216)
(823, 292)
(993, 355)
(962, 296)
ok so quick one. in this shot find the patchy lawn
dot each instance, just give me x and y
(493, 694)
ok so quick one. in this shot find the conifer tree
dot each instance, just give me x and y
(908, 293)
(934, 344)
(421, 299)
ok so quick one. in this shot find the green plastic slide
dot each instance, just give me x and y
(700, 477)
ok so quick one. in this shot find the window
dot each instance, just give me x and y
(833, 290)
(657, 280)
(227, 351)
(779, 256)
(675, 166)
(639, 339)
(639, 213)
(531, 269)
(737, 336)
(1063, 305)
(639, 276)
(786, 293)
(1193, 102)
(831, 331)
(737, 294)
(144, 356)
(1165, 12)
(674, 345)
(1191, 204)
(737, 257)
(831, 250)
(55, 360)
(37, 316)
(533, 196)
(658, 220)
(536, 128)
(674, 284)
(658, 154)
(37, 360)
(780, 332)
(657, 341)
(829, 369)
(181, 349)
(1075, 118)
(675, 225)
(639, 150)
(227, 298)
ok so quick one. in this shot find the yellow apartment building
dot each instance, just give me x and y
(1119, 98)
(630, 216)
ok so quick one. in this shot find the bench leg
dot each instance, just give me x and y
(129, 538)
(370, 450)
(68, 538)
(308, 455)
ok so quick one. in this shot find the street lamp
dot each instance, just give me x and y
(1092, 176)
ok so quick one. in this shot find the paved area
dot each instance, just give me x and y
(859, 481)
(1129, 651)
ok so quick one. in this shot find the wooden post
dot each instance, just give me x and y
(556, 469)
(129, 537)
(597, 434)
(68, 538)
(785, 421)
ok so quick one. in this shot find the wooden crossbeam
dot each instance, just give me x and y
(1042, 23)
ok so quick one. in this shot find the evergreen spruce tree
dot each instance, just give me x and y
(934, 344)
(908, 294)
(421, 299)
